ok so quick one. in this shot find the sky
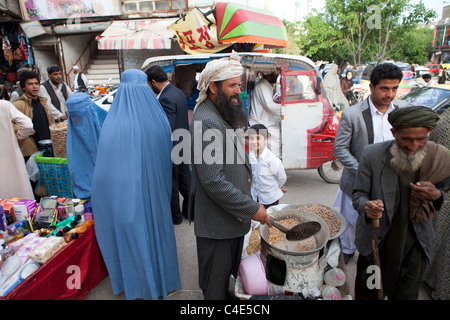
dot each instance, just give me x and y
(286, 9)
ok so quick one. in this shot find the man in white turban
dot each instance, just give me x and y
(80, 81)
(220, 196)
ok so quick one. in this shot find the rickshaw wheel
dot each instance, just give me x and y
(331, 171)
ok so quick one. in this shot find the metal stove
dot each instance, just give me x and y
(290, 270)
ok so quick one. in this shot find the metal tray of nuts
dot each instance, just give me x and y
(336, 227)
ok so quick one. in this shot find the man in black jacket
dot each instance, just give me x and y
(174, 103)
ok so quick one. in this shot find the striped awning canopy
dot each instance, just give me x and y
(137, 34)
(240, 24)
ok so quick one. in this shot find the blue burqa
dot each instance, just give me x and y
(131, 193)
(84, 125)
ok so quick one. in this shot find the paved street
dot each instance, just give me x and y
(303, 186)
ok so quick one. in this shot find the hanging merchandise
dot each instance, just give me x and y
(7, 51)
(17, 54)
(27, 49)
(22, 47)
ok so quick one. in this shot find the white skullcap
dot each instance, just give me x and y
(218, 70)
(76, 67)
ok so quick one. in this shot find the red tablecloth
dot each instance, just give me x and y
(69, 275)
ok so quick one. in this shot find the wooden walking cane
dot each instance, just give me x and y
(376, 256)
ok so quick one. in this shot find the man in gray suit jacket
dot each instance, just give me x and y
(220, 196)
(362, 124)
(401, 183)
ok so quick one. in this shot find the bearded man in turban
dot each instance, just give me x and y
(402, 183)
(220, 196)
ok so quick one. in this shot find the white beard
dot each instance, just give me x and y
(403, 162)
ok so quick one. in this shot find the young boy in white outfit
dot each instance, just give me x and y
(267, 170)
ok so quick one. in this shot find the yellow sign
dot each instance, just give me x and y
(197, 33)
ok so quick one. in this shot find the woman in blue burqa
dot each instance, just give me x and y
(131, 193)
(84, 126)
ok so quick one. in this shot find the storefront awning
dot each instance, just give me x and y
(137, 34)
(241, 24)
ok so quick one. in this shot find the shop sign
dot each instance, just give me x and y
(196, 33)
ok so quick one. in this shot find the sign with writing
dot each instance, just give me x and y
(197, 33)
(63, 9)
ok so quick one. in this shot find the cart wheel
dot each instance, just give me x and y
(331, 171)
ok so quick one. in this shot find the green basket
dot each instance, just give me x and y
(56, 176)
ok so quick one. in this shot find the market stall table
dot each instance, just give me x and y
(69, 275)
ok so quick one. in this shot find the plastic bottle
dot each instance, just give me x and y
(69, 222)
(334, 277)
(6, 253)
(7, 238)
(71, 237)
(18, 231)
(70, 209)
(330, 293)
(25, 226)
(82, 227)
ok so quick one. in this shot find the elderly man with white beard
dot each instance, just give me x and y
(402, 183)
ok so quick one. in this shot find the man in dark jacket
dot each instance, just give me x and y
(401, 183)
(56, 92)
(174, 103)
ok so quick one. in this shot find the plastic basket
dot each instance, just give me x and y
(56, 176)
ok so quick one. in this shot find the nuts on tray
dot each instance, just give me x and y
(278, 239)
(331, 219)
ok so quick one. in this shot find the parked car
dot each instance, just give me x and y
(445, 64)
(421, 70)
(434, 68)
(405, 86)
(105, 101)
(436, 97)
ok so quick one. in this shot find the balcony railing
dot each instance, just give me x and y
(153, 6)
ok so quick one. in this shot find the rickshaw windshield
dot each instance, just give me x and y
(298, 86)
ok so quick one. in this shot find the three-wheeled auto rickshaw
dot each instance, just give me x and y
(308, 121)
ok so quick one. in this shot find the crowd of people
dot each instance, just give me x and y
(122, 162)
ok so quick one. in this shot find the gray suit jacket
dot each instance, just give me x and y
(354, 133)
(220, 197)
(376, 179)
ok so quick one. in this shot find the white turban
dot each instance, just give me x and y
(218, 70)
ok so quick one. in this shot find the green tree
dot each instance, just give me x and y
(418, 45)
(319, 40)
(359, 31)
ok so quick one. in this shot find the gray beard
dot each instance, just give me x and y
(403, 162)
